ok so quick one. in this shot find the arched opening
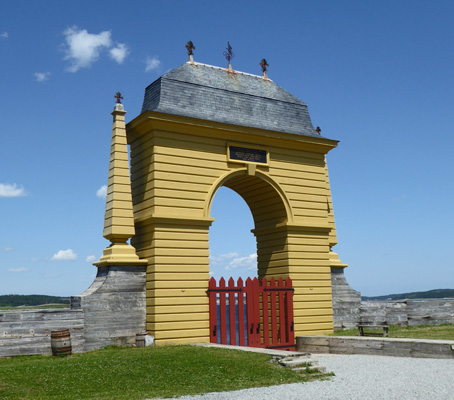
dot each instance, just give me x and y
(233, 247)
(269, 212)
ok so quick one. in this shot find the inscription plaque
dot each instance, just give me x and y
(246, 154)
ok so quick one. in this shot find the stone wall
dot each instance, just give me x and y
(110, 312)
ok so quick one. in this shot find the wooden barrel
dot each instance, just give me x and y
(140, 339)
(60, 342)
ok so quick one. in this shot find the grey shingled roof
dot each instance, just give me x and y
(214, 94)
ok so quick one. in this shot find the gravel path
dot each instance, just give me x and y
(362, 377)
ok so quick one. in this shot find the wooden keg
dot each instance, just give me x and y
(140, 339)
(61, 342)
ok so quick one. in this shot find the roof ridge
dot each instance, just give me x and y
(227, 70)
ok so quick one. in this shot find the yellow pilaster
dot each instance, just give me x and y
(118, 217)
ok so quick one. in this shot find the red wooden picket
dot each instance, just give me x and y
(241, 338)
(232, 314)
(266, 321)
(213, 311)
(274, 338)
(222, 312)
(289, 308)
(281, 305)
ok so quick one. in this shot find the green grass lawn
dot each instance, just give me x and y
(139, 373)
(439, 332)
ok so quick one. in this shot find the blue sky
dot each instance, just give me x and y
(378, 76)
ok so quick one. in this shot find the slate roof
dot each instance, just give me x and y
(214, 94)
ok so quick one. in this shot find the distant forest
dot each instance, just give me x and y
(430, 294)
(17, 300)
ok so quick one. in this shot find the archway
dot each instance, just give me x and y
(233, 247)
(270, 211)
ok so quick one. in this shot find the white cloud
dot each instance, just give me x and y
(151, 64)
(102, 192)
(90, 259)
(119, 53)
(41, 76)
(234, 260)
(64, 255)
(4, 35)
(220, 259)
(83, 47)
(8, 249)
(21, 269)
(249, 262)
(7, 190)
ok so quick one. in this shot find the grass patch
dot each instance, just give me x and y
(432, 332)
(139, 373)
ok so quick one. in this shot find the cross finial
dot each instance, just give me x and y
(264, 64)
(190, 47)
(229, 55)
(118, 97)
(318, 130)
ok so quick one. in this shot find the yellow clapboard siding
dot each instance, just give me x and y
(178, 252)
(177, 325)
(178, 294)
(219, 164)
(178, 276)
(174, 342)
(189, 310)
(176, 284)
(190, 153)
(320, 319)
(180, 334)
(163, 176)
(172, 260)
(322, 326)
(180, 301)
(324, 311)
(174, 169)
(181, 244)
(160, 318)
(179, 269)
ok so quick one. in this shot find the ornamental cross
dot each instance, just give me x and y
(118, 97)
(229, 53)
(264, 64)
(190, 46)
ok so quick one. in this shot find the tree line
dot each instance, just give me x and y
(17, 300)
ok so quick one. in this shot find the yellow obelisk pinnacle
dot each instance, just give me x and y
(119, 218)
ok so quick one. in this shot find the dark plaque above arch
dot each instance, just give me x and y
(247, 154)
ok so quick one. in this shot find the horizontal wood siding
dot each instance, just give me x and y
(173, 172)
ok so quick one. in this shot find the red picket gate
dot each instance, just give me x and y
(268, 320)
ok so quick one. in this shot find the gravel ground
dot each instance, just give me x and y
(362, 377)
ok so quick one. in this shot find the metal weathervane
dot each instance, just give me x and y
(118, 97)
(229, 54)
(264, 64)
(190, 47)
